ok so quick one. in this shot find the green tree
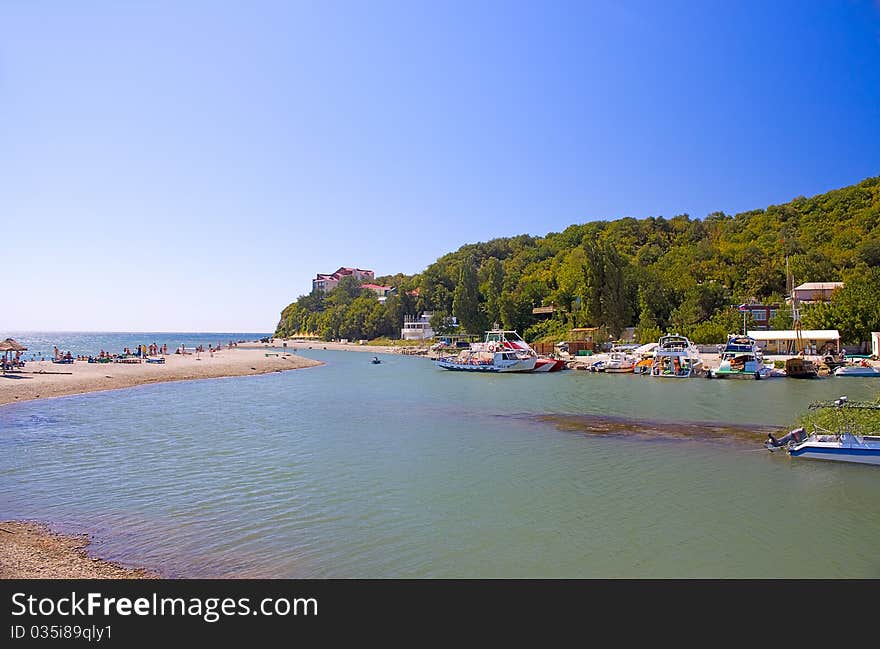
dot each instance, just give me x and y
(442, 323)
(466, 298)
(491, 284)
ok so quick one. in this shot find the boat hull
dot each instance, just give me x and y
(857, 371)
(836, 453)
(519, 366)
(548, 365)
(728, 374)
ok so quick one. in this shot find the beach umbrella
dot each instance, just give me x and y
(9, 345)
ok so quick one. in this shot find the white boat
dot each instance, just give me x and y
(501, 351)
(676, 357)
(620, 361)
(469, 360)
(857, 370)
(741, 358)
(842, 445)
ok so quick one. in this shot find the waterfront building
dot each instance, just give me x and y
(417, 328)
(327, 282)
(816, 341)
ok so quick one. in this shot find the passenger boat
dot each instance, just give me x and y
(857, 370)
(676, 357)
(501, 351)
(741, 359)
(842, 445)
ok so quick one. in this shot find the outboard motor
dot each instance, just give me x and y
(795, 436)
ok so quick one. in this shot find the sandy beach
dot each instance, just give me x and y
(44, 379)
(31, 551)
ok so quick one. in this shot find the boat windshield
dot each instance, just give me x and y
(674, 342)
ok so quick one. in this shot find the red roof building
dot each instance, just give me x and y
(326, 283)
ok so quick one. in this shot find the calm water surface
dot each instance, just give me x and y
(405, 470)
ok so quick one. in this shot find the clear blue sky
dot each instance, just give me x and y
(190, 166)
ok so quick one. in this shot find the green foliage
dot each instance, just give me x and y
(466, 299)
(441, 323)
(657, 273)
(854, 309)
(549, 330)
(832, 420)
(715, 330)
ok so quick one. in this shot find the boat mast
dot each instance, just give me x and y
(795, 311)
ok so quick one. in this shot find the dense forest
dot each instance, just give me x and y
(658, 274)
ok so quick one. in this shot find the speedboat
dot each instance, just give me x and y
(741, 359)
(676, 357)
(842, 445)
(375, 360)
(857, 370)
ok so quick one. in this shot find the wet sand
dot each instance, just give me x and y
(44, 379)
(31, 551)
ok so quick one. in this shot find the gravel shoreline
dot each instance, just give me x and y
(30, 550)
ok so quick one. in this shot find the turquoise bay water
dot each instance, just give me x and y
(405, 470)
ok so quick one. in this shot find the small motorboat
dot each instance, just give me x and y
(620, 360)
(857, 370)
(842, 445)
(375, 360)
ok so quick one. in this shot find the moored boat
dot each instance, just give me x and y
(857, 370)
(470, 360)
(842, 445)
(546, 364)
(501, 351)
(741, 358)
(620, 361)
(676, 357)
(801, 368)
